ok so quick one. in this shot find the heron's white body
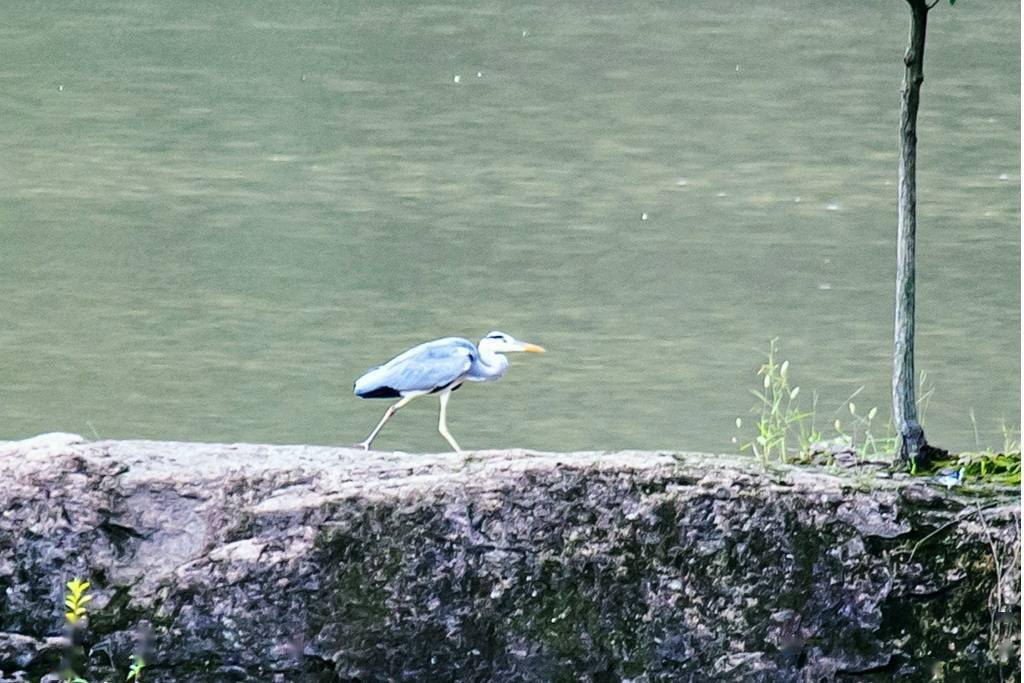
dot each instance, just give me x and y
(437, 367)
(431, 367)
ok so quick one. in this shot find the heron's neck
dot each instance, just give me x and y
(492, 365)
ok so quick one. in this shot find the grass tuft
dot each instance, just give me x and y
(788, 432)
(784, 429)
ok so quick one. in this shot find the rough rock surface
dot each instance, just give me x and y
(300, 563)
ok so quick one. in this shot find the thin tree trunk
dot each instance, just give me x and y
(911, 436)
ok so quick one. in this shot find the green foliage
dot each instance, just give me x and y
(982, 467)
(1003, 468)
(985, 466)
(75, 600)
(786, 432)
(135, 672)
(861, 434)
(783, 428)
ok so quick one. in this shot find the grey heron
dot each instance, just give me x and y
(437, 367)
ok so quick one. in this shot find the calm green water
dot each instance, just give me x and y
(213, 218)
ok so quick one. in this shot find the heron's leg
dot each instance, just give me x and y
(365, 443)
(442, 422)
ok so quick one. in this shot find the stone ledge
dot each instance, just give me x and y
(262, 562)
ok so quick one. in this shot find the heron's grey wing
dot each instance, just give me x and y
(423, 368)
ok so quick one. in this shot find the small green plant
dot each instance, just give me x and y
(1011, 439)
(75, 601)
(75, 620)
(783, 428)
(983, 467)
(1002, 468)
(787, 432)
(135, 671)
(861, 433)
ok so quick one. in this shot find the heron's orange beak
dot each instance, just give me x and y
(533, 348)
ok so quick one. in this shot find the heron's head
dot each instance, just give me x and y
(499, 342)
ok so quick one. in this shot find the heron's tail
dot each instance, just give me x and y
(371, 386)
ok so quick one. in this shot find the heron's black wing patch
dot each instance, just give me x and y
(381, 392)
(453, 387)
